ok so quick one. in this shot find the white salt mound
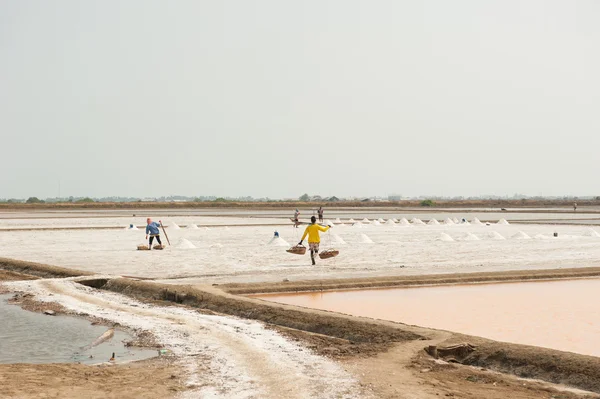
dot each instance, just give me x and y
(365, 220)
(365, 239)
(404, 222)
(192, 226)
(445, 237)
(449, 221)
(338, 240)
(184, 244)
(174, 226)
(395, 220)
(521, 236)
(278, 242)
(494, 235)
(433, 222)
(455, 220)
(470, 237)
(476, 221)
(390, 222)
(358, 225)
(351, 220)
(502, 221)
(380, 220)
(591, 233)
(376, 223)
(417, 221)
(338, 220)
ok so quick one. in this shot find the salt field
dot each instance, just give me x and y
(563, 315)
(236, 249)
(231, 354)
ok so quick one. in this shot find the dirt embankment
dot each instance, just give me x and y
(410, 281)
(331, 324)
(374, 335)
(33, 269)
(498, 204)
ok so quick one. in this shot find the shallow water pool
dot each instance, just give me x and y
(28, 337)
(563, 315)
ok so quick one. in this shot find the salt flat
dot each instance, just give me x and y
(247, 253)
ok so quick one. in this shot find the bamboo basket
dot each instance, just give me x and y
(298, 250)
(329, 253)
(143, 247)
(157, 246)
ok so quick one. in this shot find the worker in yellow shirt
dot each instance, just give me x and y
(312, 230)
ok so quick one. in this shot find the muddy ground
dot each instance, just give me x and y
(155, 378)
(388, 358)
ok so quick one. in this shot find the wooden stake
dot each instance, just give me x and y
(166, 236)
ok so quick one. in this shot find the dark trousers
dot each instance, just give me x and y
(157, 239)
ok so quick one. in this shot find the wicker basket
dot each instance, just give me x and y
(157, 246)
(298, 250)
(143, 247)
(330, 253)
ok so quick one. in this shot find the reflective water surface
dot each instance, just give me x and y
(563, 315)
(28, 337)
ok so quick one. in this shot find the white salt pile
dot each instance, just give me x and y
(449, 221)
(395, 220)
(338, 220)
(376, 223)
(278, 242)
(502, 221)
(380, 220)
(351, 220)
(338, 240)
(591, 233)
(494, 235)
(365, 239)
(390, 222)
(365, 220)
(455, 220)
(192, 226)
(521, 236)
(358, 225)
(417, 221)
(174, 226)
(445, 237)
(470, 237)
(404, 222)
(184, 244)
(465, 223)
(433, 222)
(476, 221)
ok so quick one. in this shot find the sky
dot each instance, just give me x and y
(272, 98)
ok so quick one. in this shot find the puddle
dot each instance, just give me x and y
(28, 337)
(563, 315)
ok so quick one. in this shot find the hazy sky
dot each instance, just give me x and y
(278, 98)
